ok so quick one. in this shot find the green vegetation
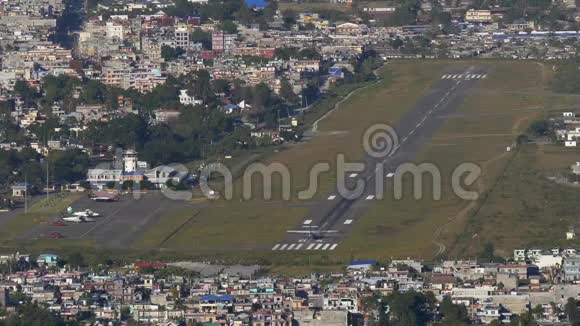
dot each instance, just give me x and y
(169, 53)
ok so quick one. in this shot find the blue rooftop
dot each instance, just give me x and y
(218, 298)
(138, 173)
(256, 3)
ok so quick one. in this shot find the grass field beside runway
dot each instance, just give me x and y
(489, 121)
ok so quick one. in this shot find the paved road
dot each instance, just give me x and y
(327, 223)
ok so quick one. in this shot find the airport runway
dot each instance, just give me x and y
(330, 221)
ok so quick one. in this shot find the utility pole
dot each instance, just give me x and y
(25, 193)
(47, 196)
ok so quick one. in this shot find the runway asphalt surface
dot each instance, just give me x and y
(330, 221)
(121, 223)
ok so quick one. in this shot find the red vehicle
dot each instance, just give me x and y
(58, 223)
(53, 235)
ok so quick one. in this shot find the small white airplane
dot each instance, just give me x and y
(85, 213)
(78, 219)
(105, 198)
(315, 234)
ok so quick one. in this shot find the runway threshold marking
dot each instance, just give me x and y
(298, 246)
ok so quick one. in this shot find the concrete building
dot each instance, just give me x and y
(186, 99)
(181, 37)
(223, 43)
(571, 268)
(478, 16)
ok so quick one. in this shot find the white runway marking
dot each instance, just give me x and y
(326, 246)
(318, 246)
(283, 246)
(307, 222)
(466, 76)
(347, 222)
(333, 246)
(291, 246)
(390, 175)
(331, 197)
(298, 247)
(276, 246)
(370, 197)
(310, 246)
(352, 175)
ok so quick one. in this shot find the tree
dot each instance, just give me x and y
(407, 308)
(85, 185)
(571, 310)
(245, 16)
(68, 166)
(169, 54)
(289, 17)
(453, 314)
(33, 314)
(286, 91)
(487, 254)
(228, 27)
(76, 260)
(539, 128)
(200, 36)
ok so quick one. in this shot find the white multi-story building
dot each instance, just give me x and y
(187, 99)
(478, 16)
